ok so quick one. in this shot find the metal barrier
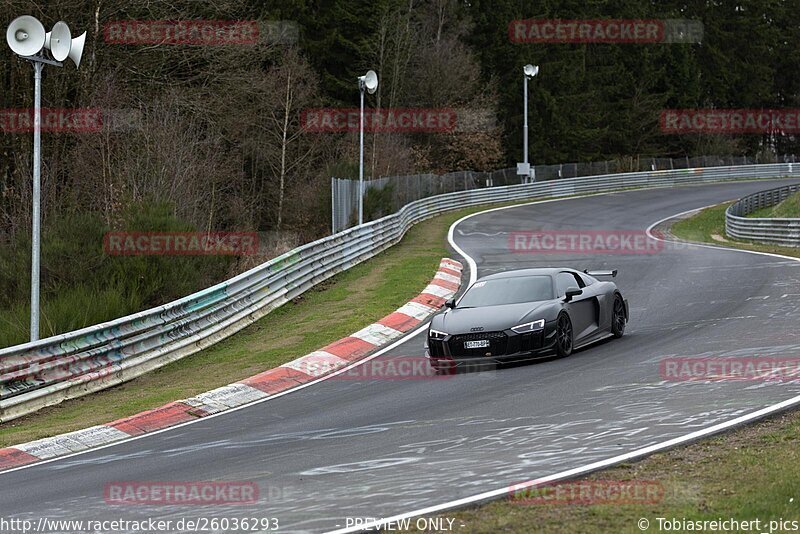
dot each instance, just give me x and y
(397, 191)
(48, 371)
(774, 231)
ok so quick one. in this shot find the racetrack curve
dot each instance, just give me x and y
(375, 448)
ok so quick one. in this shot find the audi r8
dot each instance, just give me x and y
(528, 313)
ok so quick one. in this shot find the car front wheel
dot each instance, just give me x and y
(564, 336)
(618, 318)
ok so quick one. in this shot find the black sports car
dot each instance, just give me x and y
(523, 314)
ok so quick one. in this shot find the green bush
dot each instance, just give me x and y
(378, 202)
(81, 285)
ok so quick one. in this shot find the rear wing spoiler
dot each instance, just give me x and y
(612, 273)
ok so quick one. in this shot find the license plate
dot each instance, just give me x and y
(479, 344)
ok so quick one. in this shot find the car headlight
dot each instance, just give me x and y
(435, 334)
(528, 327)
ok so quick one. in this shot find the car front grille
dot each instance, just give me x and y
(498, 342)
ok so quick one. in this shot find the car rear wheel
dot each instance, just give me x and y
(618, 318)
(564, 337)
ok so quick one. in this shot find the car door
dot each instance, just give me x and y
(582, 308)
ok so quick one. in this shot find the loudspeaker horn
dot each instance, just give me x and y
(371, 81)
(76, 51)
(59, 41)
(531, 70)
(25, 35)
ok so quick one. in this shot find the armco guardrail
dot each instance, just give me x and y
(774, 231)
(48, 371)
(398, 191)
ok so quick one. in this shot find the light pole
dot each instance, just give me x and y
(524, 168)
(26, 38)
(369, 82)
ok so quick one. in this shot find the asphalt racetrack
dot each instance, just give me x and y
(374, 448)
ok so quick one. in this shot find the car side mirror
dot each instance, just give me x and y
(450, 303)
(572, 292)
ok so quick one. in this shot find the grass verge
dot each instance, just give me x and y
(751, 473)
(789, 208)
(708, 226)
(330, 311)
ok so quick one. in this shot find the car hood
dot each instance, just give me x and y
(491, 318)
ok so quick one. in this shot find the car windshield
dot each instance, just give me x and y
(508, 291)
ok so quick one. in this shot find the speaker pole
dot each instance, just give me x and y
(361, 161)
(35, 241)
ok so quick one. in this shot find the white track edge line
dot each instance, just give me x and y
(651, 235)
(637, 453)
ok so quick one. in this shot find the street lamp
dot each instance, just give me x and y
(26, 38)
(524, 168)
(369, 82)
